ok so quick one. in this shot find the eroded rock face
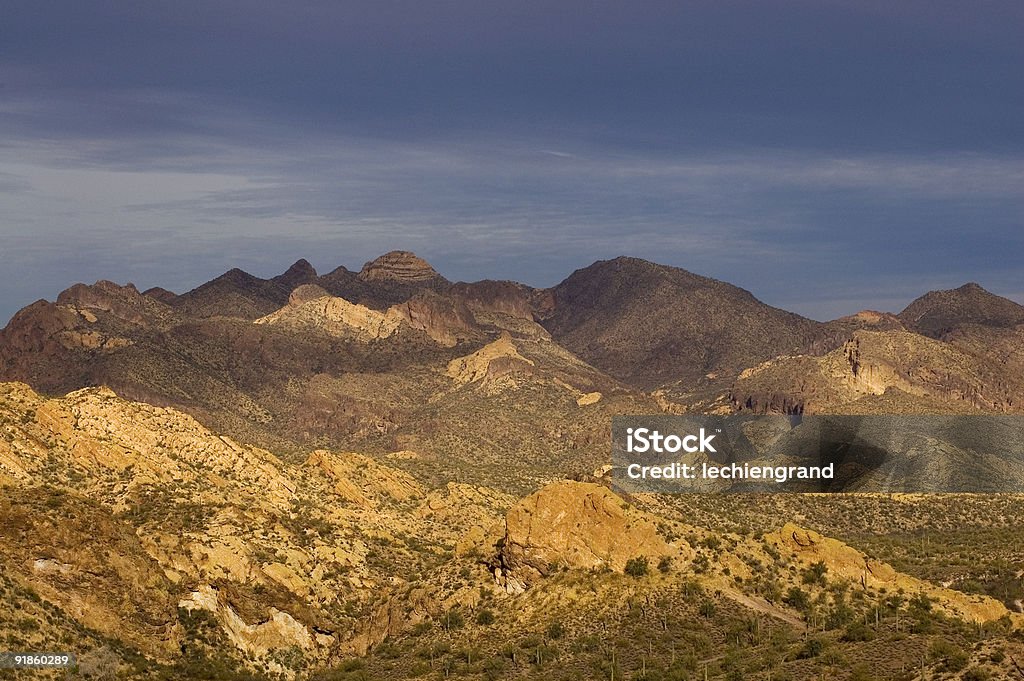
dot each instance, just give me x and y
(506, 297)
(444, 319)
(870, 364)
(494, 359)
(280, 630)
(575, 525)
(310, 307)
(362, 481)
(400, 266)
(846, 562)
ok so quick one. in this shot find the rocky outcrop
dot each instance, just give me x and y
(280, 630)
(846, 562)
(109, 438)
(505, 297)
(362, 481)
(875, 363)
(445, 319)
(399, 266)
(574, 525)
(310, 307)
(834, 334)
(124, 303)
(35, 328)
(495, 359)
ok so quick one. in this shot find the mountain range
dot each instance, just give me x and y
(386, 474)
(257, 357)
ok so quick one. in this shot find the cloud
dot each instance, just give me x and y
(197, 187)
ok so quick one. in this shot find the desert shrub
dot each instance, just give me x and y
(797, 598)
(857, 632)
(637, 567)
(453, 619)
(813, 648)
(956, 662)
(815, 574)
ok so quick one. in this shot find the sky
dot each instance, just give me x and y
(827, 155)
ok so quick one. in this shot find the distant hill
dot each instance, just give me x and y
(650, 324)
(361, 359)
(939, 312)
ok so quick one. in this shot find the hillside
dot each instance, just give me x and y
(383, 474)
(649, 325)
(209, 558)
(939, 312)
(882, 372)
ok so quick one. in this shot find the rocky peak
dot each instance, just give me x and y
(703, 326)
(98, 295)
(400, 266)
(161, 294)
(299, 273)
(122, 302)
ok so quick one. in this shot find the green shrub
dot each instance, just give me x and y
(815, 574)
(858, 632)
(637, 567)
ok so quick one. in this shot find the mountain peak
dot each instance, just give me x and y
(972, 287)
(399, 266)
(301, 272)
(937, 312)
(651, 324)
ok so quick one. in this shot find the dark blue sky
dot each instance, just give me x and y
(828, 155)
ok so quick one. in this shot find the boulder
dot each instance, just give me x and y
(573, 525)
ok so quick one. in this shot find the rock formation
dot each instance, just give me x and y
(311, 308)
(845, 562)
(495, 359)
(574, 525)
(875, 363)
(399, 266)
